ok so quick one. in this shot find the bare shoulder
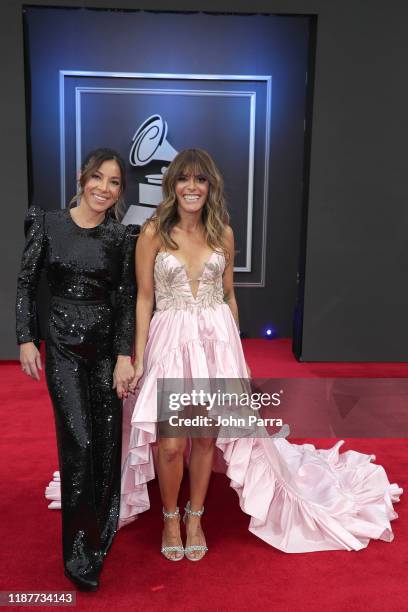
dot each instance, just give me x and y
(149, 230)
(228, 235)
(149, 233)
(149, 239)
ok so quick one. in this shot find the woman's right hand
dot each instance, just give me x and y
(138, 367)
(30, 360)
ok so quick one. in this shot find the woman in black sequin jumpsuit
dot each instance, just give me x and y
(89, 259)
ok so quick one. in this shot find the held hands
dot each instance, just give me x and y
(30, 360)
(137, 375)
(123, 374)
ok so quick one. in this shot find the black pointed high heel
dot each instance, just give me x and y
(88, 582)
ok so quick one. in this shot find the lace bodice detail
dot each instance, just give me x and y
(173, 289)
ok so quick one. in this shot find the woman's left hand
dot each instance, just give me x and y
(122, 376)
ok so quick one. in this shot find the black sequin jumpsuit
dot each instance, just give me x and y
(90, 273)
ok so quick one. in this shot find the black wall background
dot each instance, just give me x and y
(237, 44)
(356, 294)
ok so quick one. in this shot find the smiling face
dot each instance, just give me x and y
(103, 188)
(191, 191)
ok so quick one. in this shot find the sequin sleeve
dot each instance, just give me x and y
(27, 280)
(126, 295)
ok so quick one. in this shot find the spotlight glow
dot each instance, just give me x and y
(269, 332)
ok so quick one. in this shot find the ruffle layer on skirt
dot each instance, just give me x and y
(196, 359)
(300, 499)
(53, 492)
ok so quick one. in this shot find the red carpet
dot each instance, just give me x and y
(240, 572)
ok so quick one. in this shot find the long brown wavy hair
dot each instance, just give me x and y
(92, 162)
(214, 214)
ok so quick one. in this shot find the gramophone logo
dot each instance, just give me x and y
(149, 147)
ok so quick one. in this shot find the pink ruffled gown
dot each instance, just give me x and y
(300, 499)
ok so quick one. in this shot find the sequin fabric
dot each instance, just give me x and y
(90, 273)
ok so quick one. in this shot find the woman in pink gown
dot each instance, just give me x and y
(299, 499)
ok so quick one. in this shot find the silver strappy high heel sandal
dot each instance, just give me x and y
(165, 550)
(195, 547)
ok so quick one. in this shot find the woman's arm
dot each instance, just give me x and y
(147, 248)
(26, 309)
(125, 314)
(228, 280)
(125, 297)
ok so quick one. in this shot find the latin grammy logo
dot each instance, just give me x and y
(150, 144)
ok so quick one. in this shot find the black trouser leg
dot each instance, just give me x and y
(68, 384)
(106, 418)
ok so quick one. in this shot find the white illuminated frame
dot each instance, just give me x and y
(195, 77)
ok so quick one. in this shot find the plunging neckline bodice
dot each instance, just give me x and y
(188, 279)
(173, 285)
